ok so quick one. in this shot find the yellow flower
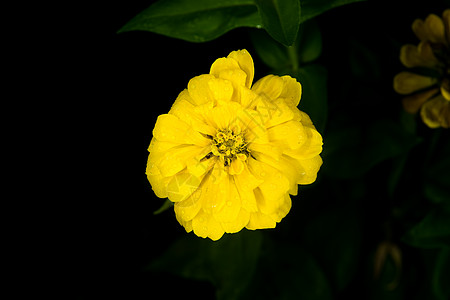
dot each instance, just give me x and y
(228, 154)
(430, 95)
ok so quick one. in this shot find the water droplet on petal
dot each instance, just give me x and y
(205, 228)
(262, 174)
(229, 203)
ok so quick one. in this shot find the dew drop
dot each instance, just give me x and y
(205, 228)
(262, 174)
(229, 203)
(201, 220)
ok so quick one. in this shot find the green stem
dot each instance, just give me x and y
(293, 57)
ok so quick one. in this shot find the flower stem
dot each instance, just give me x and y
(293, 57)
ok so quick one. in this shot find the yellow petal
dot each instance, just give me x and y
(271, 192)
(247, 97)
(185, 111)
(283, 209)
(407, 82)
(275, 111)
(198, 166)
(259, 220)
(271, 86)
(246, 182)
(215, 191)
(309, 149)
(412, 103)
(224, 116)
(198, 88)
(204, 225)
(310, 168)
(221, 89)
(174, 160)
(252, 125)
(292, 91)
(410, 56)
(236, 167)
(186, 224)
(289, 135)
(230, 196)
(240, 222)
(436, 112)
(157, 180)
(245, 62)
(188, 209)
(159, 148)
(426, 51)
(287, 166)
(169, 128)
(182, 186)
(435, 29)
(306, 120)
(270, 149)
(445, 86)
(419, 29)
(446, 20)
(229, 69)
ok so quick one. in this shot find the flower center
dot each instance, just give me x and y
(229, 146)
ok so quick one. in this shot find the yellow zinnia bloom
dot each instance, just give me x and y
(430, 95)
(228, 154)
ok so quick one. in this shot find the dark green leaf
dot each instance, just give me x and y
(313, 8)
(350, 151)
(433, 231)
(165, 206)
(228, 263)
(313, 79)
(287, 271)
(280, 18)
(437, 186)
(195, 21)
(334, 238)
(310, 42)
(437, 193)
(270, 51)
(441, 275)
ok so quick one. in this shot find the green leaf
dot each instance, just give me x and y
(313, 8)
(165, 206)
(441, 275)
(280, 18)
(228, 263)
(334, 238)
(270, 51)
(351, 150)
(437, 185)
(287, 271)
(307, 48)
(433, 231)
(195, 21)
(313, 79)
(310, 42)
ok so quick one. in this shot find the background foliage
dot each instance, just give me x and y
(376, 223)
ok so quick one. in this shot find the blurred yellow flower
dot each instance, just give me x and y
(430, 95)
(228, 154)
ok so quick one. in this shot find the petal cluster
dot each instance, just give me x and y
(429, 95)
(229, 154)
